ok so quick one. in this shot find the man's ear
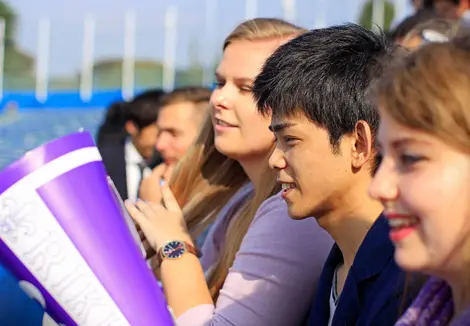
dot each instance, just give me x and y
(361, 149)
(131, 128)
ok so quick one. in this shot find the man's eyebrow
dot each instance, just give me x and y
(281, 126)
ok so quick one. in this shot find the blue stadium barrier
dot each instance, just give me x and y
(26, 100)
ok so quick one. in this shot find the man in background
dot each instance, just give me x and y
(180, 118)
(128, 157)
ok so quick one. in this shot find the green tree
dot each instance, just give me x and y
(19, 66)
(108, 74)
(365, 19)
(7, 13)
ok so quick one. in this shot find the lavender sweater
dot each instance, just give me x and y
(275, 273)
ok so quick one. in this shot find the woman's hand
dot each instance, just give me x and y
(150, 187)
(160, 223)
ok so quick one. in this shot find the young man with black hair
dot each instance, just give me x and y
(316, 88)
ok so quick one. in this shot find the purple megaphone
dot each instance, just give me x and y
(63, 235)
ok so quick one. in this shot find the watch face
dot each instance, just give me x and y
(174, 249)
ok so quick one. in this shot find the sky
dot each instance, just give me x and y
(194, 41)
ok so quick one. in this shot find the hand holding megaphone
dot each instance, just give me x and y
(63, 234)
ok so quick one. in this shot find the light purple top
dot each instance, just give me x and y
(275, 273)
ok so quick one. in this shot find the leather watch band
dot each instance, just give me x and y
(189, 248)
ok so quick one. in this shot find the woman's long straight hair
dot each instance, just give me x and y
(205, 180)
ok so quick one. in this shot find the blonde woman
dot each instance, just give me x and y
(423, 180)
(261, 267)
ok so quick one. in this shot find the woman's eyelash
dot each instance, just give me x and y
(407, 159)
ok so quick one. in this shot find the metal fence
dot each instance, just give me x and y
(128, 72)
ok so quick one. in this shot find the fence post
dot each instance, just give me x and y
(171, 34)
(2, 55)
(86, 76)
(128, 62)
(42, 59)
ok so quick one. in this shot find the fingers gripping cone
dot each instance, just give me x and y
(64, 236)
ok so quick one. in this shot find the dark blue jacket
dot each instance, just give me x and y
(373, 293)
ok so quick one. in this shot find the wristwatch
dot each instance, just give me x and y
(175, 249)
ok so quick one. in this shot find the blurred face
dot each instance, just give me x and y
(144, 140)
(417, 4)
(446, 8)
(178, 126)
(315, 180)
(464, 5)
(240, 132)
(423, 184)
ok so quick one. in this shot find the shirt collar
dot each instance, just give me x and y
(374, 253)
(131, 153)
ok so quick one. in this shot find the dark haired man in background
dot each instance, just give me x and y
(129, 152)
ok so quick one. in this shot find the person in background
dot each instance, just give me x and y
(113, 127)
(316, 88)
(445, 8)
(126, 155)
(423, 180)
(463, 11)
(179, 121)
(433, 30)
(180, 117)
(399, 33)
(258, 267)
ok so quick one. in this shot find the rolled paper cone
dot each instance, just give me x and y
(63, 235)
(127, 218)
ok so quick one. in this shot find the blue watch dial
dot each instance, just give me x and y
(174, 249)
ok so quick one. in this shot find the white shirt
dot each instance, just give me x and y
(333, 296)
(133, 159)
(332, 307)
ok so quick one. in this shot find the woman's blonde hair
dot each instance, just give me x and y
(205, 180)
(428, 90)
